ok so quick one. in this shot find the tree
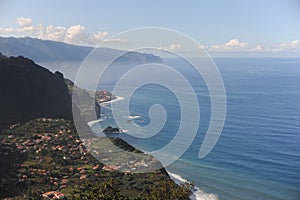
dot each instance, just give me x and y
(98, 191)
(169, 190)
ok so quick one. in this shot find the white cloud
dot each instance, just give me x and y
(235, 46)
(295, 44)
(291, 46)
(231, 45)
(54, 33)
(235, 43)
(6, 30)
(174, 47)
(115, 40)
(75, 34)
(24, 22)
(259, 48)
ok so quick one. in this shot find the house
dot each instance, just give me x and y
(110, 168)
(84, 176)
(54, 195)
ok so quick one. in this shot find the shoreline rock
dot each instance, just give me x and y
(110, 129)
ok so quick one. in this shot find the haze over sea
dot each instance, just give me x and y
(258, 153)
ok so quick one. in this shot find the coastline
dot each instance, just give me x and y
(91, 123)
(118, 98)
(106, 103)
(197, 193)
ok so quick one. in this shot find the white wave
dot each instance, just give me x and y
(198, 194)
(134, 117)
(91, 123)
(118, 98)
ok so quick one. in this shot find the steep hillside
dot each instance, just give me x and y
(30, 91)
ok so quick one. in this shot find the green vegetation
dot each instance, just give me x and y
(47, 155)
(107, 190)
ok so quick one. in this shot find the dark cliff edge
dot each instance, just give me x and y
(30, 91)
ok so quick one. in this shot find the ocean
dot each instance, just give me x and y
(257, 155)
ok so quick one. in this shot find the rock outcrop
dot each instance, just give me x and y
(110, 129)
(88, 105)
(29, 91)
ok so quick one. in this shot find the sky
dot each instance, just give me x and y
(256, 27)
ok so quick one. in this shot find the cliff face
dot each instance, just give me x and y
(83, 96)
(30, 91)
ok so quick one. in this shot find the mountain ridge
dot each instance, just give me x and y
(48, 50)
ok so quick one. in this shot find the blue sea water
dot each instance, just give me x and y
(258, 153)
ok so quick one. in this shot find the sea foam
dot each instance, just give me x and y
(91, 123)
(198, 194)
(134, 116)
(118, 98)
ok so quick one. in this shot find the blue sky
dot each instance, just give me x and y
(265, 23)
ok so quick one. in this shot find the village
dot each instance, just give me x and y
(55, 159)
(102, 96)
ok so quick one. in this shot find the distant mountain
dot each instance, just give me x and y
(30, 91)
(46, 51)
